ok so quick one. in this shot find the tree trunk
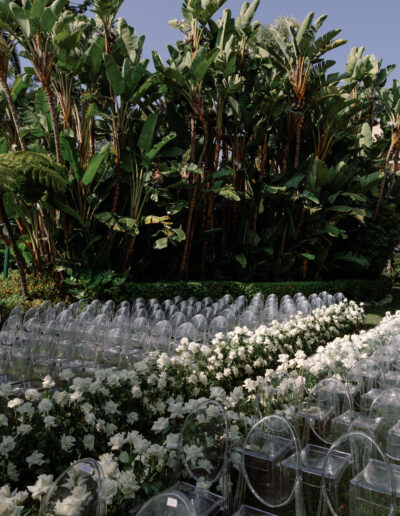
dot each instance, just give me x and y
(192, 201)
(382, 185)
(300, 224)
(185, 254)
(393, 178)
(13, 109)
(54, 120)
(17, 254)
(283, 244)
(128, 253)
(299, 123)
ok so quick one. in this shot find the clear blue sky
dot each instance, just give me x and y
(373, 24)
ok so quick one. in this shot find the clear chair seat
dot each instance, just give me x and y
(374, 478)
(312, 462)
(369, 397)
(204, 503)
(247, 510)
(357, 421)
(271, 449)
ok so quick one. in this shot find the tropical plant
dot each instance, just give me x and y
(242, 156)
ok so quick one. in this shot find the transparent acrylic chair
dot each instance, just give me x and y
(367, 486)
(203, 456)
(271, 442)
(170, 503)
(218, 325)
(363, 376)
(78, 491)
(387, 407)
(161, 337)
(249, 319)
(386, 356)
(201, 325)
(177, 319)
(328, 400)
(187, 331)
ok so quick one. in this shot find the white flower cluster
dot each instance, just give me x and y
(130, 420)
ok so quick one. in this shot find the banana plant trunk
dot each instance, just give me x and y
(51, 99)
(13, 110)
(383, 181)
(17, 254)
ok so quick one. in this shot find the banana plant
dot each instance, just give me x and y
(25, 179)
(7, 48)
(142, 181)
(297, 58)
(32, 25)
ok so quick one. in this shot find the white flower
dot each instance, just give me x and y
(110, 407)
(16, 402)
(70, 505)
(49, 421)
(155, 450)
(10, 502)
(42, 485)
(132, 417)
(127, 484)
(117, 441)
(141, 445)
(32, 395)
(160, 425)
(67, 442)
(136, 391)
(66, 375)
(108, 465)
(110, 488)
(88, 442)
(90, 419)
(12, 472)
(171, 442)
(7, 445)
(23, 429)
(61, 398)
(45, 405)
(110, 428)
(48, 382)
(76, 396)
(26, 408)
(36, 459)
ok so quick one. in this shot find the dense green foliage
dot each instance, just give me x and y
(241, 157)
(110, 285)
(40, 288)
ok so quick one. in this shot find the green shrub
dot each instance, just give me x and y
(109, 285)
(40, 288)
(396, 269)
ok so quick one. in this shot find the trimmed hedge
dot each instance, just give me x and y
(357, 290)
(109, 285)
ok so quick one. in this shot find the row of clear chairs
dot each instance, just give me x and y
(84, 337)
(351, 477)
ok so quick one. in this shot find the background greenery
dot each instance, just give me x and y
(241, 157)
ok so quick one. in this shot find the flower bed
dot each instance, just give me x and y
(130, 419)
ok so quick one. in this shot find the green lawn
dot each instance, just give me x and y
(375, 314)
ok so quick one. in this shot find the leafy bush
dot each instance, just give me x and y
(111, 285)
(40, 288)
(396, 269)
